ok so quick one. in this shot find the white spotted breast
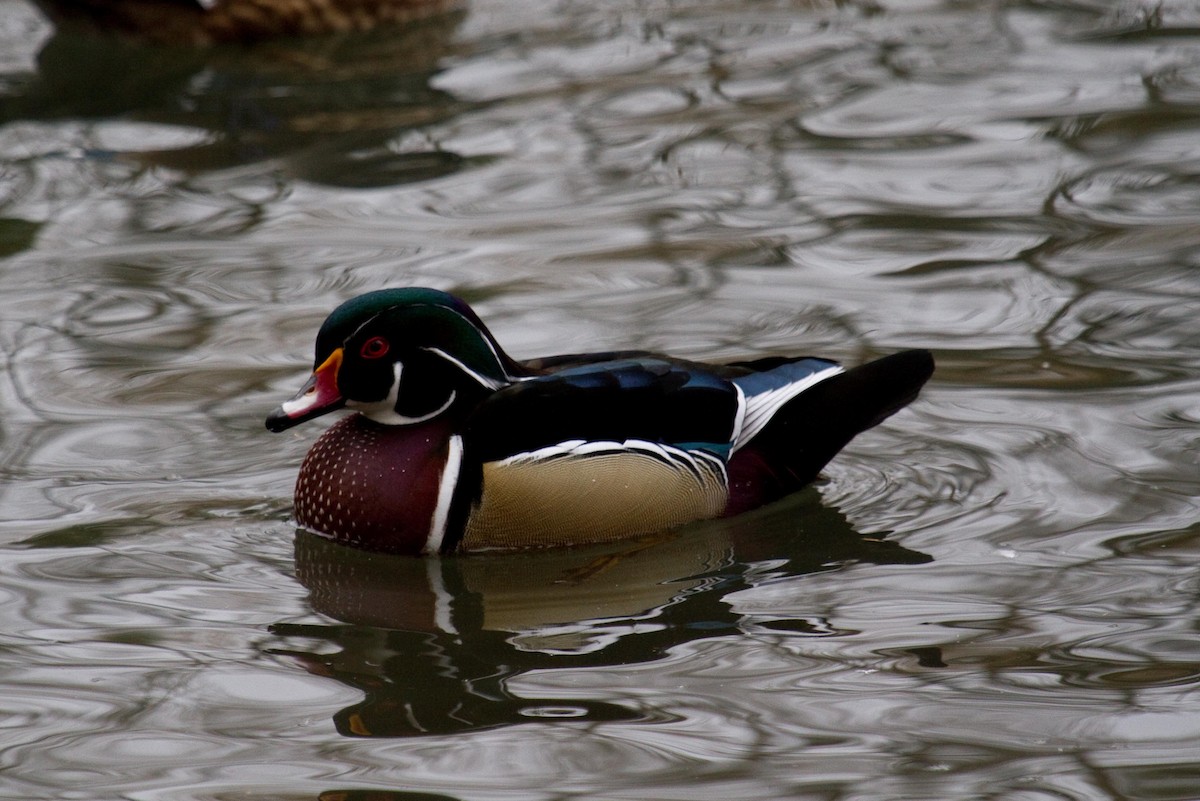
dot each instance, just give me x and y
(373, 486)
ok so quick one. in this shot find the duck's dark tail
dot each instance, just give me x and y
(810, 429)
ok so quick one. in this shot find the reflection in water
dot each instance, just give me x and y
(1010, 184)
(331, 110)
(381, 795)
(434, 643)
(200, 22)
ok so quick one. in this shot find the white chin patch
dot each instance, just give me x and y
(384, 414)
(384, 411)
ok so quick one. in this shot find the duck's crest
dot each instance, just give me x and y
(442, 323)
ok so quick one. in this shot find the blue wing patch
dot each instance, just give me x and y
(637, 374)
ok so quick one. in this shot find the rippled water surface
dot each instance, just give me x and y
(993, 595)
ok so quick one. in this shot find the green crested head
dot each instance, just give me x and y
(423, 314)
(400, 356)
(348, 317)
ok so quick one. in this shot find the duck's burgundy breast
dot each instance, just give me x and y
(373, 486)
(753, 482)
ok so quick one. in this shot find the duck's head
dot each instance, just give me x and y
(399, 356)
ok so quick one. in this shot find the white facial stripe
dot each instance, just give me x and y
(490, 383)
(364, 324)
(487, 341)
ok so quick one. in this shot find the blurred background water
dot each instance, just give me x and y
(994, 595)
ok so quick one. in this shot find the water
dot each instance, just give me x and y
(993, 595)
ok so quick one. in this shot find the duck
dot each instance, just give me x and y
(208, 22)
(453, 446)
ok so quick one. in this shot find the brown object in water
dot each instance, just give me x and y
(204, 22)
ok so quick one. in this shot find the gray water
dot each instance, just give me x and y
(994, 595)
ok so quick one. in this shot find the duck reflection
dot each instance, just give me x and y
(381, 795)
(205, 22)
(333, 109)
(434, 643)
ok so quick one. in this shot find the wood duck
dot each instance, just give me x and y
(204, 22)
(457, 447)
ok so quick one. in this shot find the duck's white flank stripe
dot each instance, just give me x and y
(762, 407)
(582, 448)
(441, 512)
(550, 451)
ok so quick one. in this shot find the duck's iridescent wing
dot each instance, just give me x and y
(644, 399)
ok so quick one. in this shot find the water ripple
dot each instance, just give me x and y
(1125, 196)
(991, 594)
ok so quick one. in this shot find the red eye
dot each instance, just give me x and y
(374, 347)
